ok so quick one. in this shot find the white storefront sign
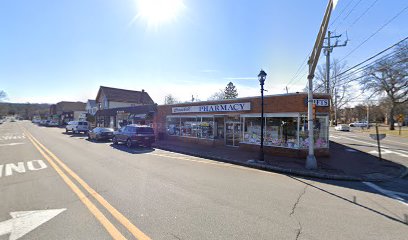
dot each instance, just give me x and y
(319, 102)
(226, 107)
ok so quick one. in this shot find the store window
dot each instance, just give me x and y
(197, 127)
(189, 126)
(281, 132)
(278, 131)
(320, 132)
(173, 126)
(252, 130)
(206, 128)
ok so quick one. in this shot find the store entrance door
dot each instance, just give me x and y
(232, 133)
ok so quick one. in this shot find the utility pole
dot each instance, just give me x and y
(368, 115)
(311, 162)
(335, 106)
(327, 50)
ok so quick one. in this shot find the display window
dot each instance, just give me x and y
(320, 132)
(196, 127)
(278, 131)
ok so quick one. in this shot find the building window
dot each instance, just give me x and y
(196, 127)
(320, 132)
(278, 131)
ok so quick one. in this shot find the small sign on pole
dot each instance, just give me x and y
(378, 137)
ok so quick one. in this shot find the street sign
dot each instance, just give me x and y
(380, 136)
(400, 118)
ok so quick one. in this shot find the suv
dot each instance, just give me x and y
(134, 135)
(77, 126)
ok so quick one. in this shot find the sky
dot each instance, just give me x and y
(63, 50)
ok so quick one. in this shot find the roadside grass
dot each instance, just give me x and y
(383, 129)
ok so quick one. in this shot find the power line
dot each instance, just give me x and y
(361, 15)
(373, 34)
(352, 9)
(341, 13)
(368, 59)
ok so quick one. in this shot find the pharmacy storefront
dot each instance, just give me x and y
(237, 123)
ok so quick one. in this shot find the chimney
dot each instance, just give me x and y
(143, 90)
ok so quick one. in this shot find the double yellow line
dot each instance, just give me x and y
(58, 165)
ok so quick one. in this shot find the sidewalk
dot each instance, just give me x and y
(344, 164)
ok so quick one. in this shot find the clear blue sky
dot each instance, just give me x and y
(64, 50)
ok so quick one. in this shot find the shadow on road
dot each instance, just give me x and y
(391, 216)
(133, 150)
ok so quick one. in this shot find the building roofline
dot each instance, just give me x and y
(245, 98)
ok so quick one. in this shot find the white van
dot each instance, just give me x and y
(77, 127)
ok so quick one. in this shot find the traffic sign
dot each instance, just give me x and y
(380, 136)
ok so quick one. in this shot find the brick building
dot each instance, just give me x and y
(237, 123)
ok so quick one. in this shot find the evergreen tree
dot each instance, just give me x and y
(230, 91)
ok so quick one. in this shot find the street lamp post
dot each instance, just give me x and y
(262, 76)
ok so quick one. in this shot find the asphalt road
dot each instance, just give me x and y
(101, 191)
(393, 148)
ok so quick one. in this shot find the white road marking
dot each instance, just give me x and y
(386, 151)
(24, 222)
(10, 144)
(382, 148)
(33, 165)
(389, 193)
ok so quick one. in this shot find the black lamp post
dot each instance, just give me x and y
(262, 76)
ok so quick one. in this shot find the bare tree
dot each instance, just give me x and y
(170, 99)
(389, 78)
(339, 86)
(217, 95)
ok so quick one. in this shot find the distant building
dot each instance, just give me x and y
(67, 111)
(108, 98)
(91, 107)
(119, 107)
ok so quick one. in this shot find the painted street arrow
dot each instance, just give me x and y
(24, 222)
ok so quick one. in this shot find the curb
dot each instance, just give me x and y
(289, 171)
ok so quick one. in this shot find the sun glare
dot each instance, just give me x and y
(157, 12)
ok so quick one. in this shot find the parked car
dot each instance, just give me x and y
(43, 123)
(36, 121)
(52, 123)
(77, 127)
(342, 127)
(135, 135)
(100, 133)
(358, 124)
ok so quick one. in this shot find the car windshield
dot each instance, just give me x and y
(106, 130)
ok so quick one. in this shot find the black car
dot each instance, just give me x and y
(135, 135)
(100, 133)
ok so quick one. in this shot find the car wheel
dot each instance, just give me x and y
(114, 140)
(89, 137)
(129, 143)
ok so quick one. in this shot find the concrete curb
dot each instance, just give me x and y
(289, 171)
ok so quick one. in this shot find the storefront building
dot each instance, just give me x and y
(118, 117)
(237, 123)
